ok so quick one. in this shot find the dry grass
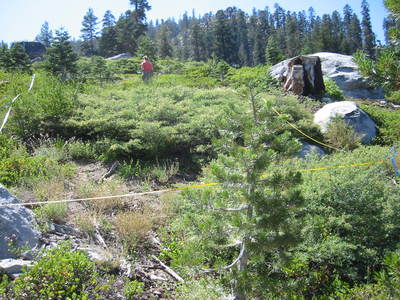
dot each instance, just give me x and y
(51, 189)
(86, 221)
(106, 188)
(133, 226)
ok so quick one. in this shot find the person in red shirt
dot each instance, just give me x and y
(147, 69)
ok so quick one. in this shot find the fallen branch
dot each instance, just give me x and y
(167, 269)
(111, 171)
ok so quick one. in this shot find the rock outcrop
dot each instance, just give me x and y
(17, 226)
(352, 114)
(341, 69)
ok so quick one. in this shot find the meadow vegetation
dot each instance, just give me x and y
(324, 235)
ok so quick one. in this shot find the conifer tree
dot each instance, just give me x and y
(108, 41)
(61, 59)
(260, 211)
(45, 36)
(89, 33)
(5, 59)
(197, 47)
(273, 54)
(355, 34)
(368, 37)
(164, 48)
(293, 39)
(394, 16)
(131, 26)
(146, 47)
(337, 32)
(223, 43)
(19, 59)
(347, 19)
(243, 37)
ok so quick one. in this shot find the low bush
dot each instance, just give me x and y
(44, 108)
(54, 212)
(394, 97)
(388, 122)
(60, 273)
(342, 135)
(125, 65)
(95, 70)
(18, 167)
(332, 90)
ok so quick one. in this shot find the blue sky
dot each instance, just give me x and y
(22, 19)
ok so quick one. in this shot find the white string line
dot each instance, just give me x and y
(12, 101)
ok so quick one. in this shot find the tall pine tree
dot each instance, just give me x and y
(223, 44)
(89, 33)
(108, 40)
(45, 36)
(368, 37)
(61, 59)
(131, 26)
(164, 47)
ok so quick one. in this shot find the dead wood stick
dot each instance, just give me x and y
(167, 269)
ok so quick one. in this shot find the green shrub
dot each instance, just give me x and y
(78, 150)
(395, 97)
(342, 135)
(17, 166)
(132, 289)
(43, 109)
(332, 89)
(95, 70)
(169, 66)
(54, 212)
(60, 273)
(352, 220)
(125, 65)
(388, 122)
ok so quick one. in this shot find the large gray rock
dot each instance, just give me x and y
(17, 225)
(352, 114)
(341, 69)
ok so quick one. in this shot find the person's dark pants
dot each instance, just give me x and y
(146, 75)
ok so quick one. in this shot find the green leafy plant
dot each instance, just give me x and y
(342, 135)
(133, 289)
(60, 273)
(332, 89)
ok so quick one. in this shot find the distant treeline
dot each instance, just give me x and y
(241, 39)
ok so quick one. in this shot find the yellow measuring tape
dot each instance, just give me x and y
(182, 188)
(306, 135)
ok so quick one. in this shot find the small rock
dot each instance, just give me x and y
(14, 266)
(97, 253)
(382, 103)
